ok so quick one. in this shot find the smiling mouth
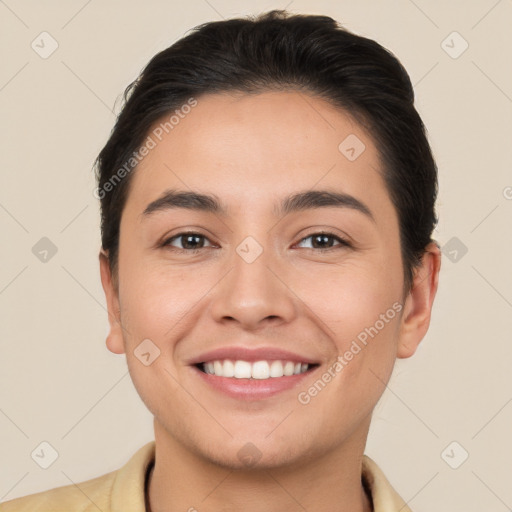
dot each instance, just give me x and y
(257, 370)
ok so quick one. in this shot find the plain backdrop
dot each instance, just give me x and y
(58, 382)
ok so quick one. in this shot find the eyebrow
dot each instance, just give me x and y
(296, 202)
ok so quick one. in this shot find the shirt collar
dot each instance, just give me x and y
(383, 495)
(128, 488)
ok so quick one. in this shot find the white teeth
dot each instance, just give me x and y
(276, 369)
(258, 370)
(289, 368)
(217, 368)
(242, 370)
(228, 369)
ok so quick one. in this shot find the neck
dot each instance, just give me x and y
(183, 481)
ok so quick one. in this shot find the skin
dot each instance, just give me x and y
(251, 151)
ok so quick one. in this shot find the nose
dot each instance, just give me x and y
(254, 294)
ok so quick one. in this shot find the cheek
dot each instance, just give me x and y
(157, 305)
(356, 377)
(348, 297)
(153, 301)
(357, 306)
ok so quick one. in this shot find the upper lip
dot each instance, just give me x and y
(251, 355)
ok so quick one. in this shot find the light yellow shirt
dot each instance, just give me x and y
(123, 490)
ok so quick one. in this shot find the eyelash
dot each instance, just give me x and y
(342, 242)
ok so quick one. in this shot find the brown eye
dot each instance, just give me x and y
(325, 241)
(190, 242)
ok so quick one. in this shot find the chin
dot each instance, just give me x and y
(255, 452)
(251, 458)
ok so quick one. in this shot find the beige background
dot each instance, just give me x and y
(59, 383)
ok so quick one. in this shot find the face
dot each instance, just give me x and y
(250, 278)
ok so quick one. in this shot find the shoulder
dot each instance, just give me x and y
(383, 495)
(122, 489)
(85, 496)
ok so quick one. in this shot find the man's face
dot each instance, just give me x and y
(260, 281)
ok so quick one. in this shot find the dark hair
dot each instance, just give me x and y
(279, 51)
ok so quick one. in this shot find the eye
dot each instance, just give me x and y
(191, 242)
(323, 241)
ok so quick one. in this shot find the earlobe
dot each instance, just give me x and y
(418, 305)
(114, 342)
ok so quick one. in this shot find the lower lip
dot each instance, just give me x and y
(252, 389)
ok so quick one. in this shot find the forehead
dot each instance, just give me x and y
(252, 149)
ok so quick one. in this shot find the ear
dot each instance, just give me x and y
(115, 341)
(418, 304)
